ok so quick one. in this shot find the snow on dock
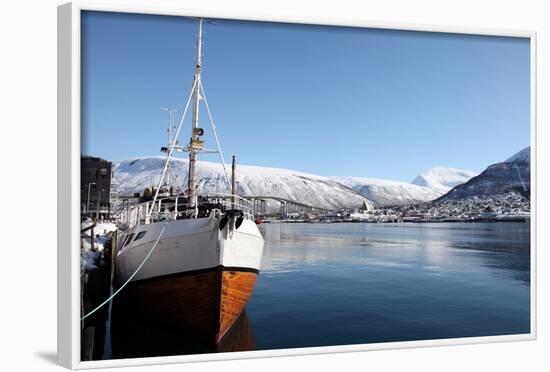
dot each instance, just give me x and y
(97, 248)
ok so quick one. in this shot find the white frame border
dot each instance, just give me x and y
(68, 322)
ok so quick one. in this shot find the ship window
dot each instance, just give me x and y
(124, 239)
(140, 235)
(129, 240)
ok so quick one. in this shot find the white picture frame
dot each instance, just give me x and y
(69, 183)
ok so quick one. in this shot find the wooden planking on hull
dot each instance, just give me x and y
(188, 301)
(236, 288)
(206, 302)
(240, 337)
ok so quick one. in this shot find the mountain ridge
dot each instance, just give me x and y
(511, 175)
(135, 174)
(443, 179)
(387, 192)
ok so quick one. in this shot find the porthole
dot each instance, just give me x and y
(140, 235)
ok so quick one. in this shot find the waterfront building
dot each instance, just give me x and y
(95, 187)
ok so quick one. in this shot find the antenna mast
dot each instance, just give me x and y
(171, 138)
(195, 143)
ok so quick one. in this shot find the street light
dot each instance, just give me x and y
(88, 200)
(98, 204)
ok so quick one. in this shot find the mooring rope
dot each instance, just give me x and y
(130, 278)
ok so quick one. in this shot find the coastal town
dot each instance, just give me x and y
(510, 207)
(101, 200)
(499, 208)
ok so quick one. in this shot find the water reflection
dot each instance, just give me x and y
(135, 337)
(341, 284)
(434, 247)
(337, 284)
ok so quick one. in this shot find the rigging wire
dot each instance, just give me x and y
(215, 134)
(171, 150)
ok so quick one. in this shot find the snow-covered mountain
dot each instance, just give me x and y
(523, 155)
(511, 175)
(134, 175)
(384, 192)
(443, 179)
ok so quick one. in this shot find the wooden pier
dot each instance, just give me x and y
(96, 285)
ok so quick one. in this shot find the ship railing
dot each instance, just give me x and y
(176, 207)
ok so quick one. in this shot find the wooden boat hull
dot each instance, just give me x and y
(206, 302)
(199, 277)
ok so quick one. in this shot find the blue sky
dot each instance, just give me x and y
(326, 100)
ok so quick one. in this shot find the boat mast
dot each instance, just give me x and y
(233, 185)
(171, 128)
(195, 144)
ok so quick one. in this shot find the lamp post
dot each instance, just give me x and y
(88, 200)
(98, 204)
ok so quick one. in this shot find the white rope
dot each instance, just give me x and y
(215, 134)
(131, 277)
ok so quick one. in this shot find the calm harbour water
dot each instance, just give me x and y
(341, 284)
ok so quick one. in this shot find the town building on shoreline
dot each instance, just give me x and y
(95, 187)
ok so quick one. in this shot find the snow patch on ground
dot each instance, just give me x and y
(90, 255)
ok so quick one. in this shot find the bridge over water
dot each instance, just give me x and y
(286, 206)
(259, 204)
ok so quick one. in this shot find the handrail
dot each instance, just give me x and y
(170, 207)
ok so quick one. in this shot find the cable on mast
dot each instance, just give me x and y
(215, 134)
(171, 149)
